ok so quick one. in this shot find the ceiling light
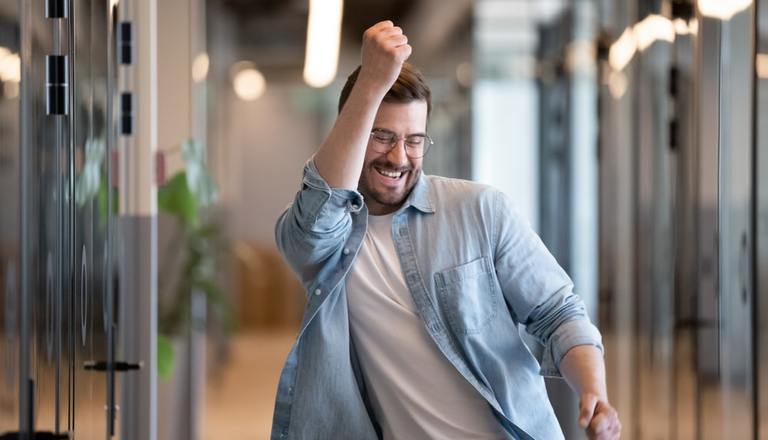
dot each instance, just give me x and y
(653, 28)
(722, 9)
(683, 27)
(323, 39)
(622, 50)
(249, 84)
(10, 67)
(642, 35)
(200, 67)
(761, 65)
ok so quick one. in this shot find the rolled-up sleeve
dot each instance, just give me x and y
(316, 223)
(319, 207)
(538, 291)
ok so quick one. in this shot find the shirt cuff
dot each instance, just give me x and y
(322, 205)
(570, 334)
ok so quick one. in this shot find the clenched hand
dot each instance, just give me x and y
(599, 418)
(385, 49)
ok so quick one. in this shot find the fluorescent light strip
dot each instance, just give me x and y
(642, 35)
(652, 29)
(622, 50)
(323, 39)
(761, 65)
(722, 9)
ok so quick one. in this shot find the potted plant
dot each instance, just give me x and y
(188, 285)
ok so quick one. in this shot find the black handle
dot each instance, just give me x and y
(56, 9)
(57, 84)
(125, 43)
(35, 436)
(117, 366)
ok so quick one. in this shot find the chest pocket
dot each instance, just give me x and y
(468, 295)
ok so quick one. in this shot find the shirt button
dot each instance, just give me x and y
(318, 291)
(346, 251)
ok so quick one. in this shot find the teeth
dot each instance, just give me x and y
(392, 174)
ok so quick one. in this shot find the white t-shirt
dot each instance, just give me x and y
(415, 392)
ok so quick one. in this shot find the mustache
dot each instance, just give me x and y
(391, 167)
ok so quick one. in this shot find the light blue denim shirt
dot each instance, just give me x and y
(476, 271)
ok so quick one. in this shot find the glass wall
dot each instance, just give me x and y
(56, 225)
(676, 170)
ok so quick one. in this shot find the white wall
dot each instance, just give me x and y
(269, 140)
(505, 140)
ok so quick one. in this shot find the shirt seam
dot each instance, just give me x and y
(495, 228)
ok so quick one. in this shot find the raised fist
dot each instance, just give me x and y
(385, 49)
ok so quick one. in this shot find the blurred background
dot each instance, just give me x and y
(147, 148)
(501, 115)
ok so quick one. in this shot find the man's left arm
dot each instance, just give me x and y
(584, 370)
(540, 296)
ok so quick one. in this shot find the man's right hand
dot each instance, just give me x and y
(385, 49)
(340, 159)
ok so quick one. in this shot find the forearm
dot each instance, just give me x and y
(584, 370)
(340, 158)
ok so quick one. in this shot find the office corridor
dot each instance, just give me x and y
(148, 148)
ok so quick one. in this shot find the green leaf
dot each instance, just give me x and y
(199, 181)
(193, 151)
(87, 183)
(176, 199)
(165, 357)
(103, 199)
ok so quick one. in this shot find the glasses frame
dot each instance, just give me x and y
(428, 142)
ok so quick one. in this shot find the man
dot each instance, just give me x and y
(416, 287)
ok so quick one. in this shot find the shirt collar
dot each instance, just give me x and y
(419, 197)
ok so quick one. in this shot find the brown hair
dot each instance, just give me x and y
(410, 86)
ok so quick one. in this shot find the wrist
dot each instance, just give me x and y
(364, 99)
(371, 86)
(597, 393)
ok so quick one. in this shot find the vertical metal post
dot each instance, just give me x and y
(137, 338)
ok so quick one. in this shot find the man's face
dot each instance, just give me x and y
(385, 194)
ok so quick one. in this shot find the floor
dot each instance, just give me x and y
(239, 400)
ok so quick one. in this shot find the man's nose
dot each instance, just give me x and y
(397, 154)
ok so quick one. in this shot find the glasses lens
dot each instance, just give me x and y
(383, 140)
(417, 145)
(385, 137)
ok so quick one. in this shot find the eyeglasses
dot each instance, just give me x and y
(416, 145)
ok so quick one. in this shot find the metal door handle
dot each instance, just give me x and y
(36, 436)
(117, 366)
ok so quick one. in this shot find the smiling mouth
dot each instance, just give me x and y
(390, 173)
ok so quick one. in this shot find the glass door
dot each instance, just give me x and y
(10, 244)
(57, 95)
(45, 221)
(92, 140)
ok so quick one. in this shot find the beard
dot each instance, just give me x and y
(380, 198)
